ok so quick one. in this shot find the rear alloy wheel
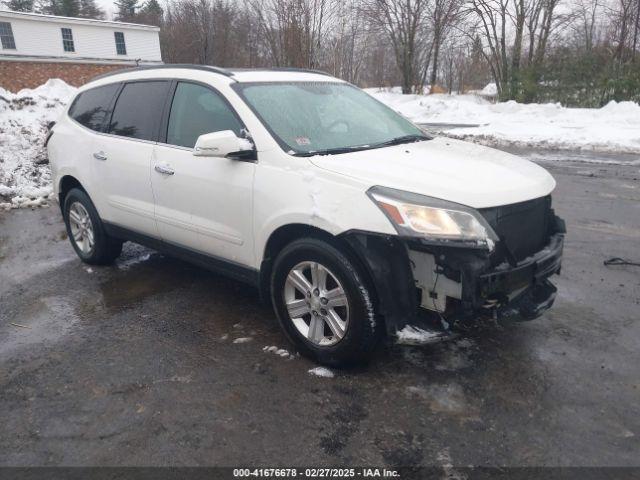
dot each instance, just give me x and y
(323, 303)
(86, 231)
(81, 228)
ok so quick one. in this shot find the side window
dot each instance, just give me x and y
(6, 36)
(67, 40)
(138, 110)
(121, 47)
(91, 108)
(197, 110)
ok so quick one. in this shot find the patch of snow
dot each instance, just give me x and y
(411, 335)
(490, 90)
(370, 312)
(131, 261)
(321, 372)
(242, 340)
(25, 177)
(281, 352)
(612, 128)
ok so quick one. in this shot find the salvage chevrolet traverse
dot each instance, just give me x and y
(349, 220)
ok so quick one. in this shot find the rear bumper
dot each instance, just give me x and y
(519, 291)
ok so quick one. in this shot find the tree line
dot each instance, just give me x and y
(577, 52)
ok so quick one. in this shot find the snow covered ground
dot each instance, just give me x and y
(25, 178)
(612, 128)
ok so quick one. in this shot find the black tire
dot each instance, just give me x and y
(105, 248)
(361, 335)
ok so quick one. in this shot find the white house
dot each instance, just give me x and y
(34, 48)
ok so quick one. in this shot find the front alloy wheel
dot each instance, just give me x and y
(322, 301)
(316, 303)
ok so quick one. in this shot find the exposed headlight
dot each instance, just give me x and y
(433, 219)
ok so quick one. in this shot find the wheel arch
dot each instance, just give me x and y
(288, 233)
(66, 184)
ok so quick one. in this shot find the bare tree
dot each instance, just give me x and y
(586, 13)
(442, 15)
(293, 29)
(402, 22)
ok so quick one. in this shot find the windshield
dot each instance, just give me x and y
(309, 118)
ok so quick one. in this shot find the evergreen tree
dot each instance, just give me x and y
(20, 5)
(127, 10)
(62, 8)
(151, 13)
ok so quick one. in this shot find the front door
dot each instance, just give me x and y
(204, 203)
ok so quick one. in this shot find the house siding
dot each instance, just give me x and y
(39, 54)
(44, 39)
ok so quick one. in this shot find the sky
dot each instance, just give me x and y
(108, 7)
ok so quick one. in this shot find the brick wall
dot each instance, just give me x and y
(17, 75)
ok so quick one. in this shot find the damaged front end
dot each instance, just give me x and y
(426, 280)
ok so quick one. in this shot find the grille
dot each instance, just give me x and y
(523, 227)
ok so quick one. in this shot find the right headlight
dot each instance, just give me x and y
(433, 219)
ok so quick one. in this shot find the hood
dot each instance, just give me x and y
(448, 169)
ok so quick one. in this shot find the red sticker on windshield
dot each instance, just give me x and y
(303, 141)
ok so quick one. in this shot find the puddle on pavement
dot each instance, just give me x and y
(140, 277)
(45, 321)
(213, 303)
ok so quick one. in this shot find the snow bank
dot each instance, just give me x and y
(25, 178)
(612, 128)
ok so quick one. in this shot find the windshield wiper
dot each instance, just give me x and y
(401, 140)
(339, 150)
(332, 151)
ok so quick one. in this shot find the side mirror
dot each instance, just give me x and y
(224, 144)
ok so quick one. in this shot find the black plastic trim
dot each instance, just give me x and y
(387, 261)
(234, 270)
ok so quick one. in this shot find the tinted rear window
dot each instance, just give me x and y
(138, 110)
(91, 107)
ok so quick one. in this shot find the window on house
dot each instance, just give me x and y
(121, 48)
(67, 40)
(6, 36)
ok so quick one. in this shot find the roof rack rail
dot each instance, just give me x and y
(281, 69)
(206, 68)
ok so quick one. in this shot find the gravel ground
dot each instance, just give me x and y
(137, 364)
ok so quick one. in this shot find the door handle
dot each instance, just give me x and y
(164, 170)
(100, 155)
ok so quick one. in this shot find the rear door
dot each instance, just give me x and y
(122, 158)
(204, 203)
(91, 109)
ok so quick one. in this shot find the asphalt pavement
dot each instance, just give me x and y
(140, 363)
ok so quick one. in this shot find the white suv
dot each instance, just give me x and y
(349, 219)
